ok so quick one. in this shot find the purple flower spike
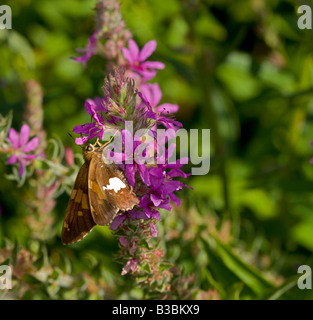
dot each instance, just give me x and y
(21, 146)
(136, 59)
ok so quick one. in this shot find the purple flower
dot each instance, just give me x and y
(136, 59)
(123, 242)
(117, 222)
(89, 50)
(153, 94)
(148, 208)
(21, 147)
(93, 129)
(160, 118)
(131, 265)
(153, 230)
(154, 186)
(167, 122)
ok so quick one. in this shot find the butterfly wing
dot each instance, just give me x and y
(109, 191)
(78, 221)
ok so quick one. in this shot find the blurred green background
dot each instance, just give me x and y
(240, 68)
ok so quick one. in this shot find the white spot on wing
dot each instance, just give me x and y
(115, 184)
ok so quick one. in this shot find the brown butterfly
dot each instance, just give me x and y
(100, 192)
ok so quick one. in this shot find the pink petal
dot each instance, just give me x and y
(89, 50)
(21, 169)
(13, 138)
(156, 200)
(84, 59)
(24, 135)
(157, 93)
(91, 107)
(145, 89)
(153, 65)
(134, 265)
(136, 214)
(82, 140)
(131, 265)
(84, 128)
(127, 55)
(135, 76)
(130, 174)
(31, 145)
(166, 108)
(92, 41)
(147, 50)
(99, 104)
(165, 205)
(133, 50)
(177, 173)
(153, 230)
(117, 221)
(93, 133)
(175, 199)
(152, 92)
(12, 160)
(123, 242)
(147, 75)
(144, 173)
(29, 156)
(156, 215)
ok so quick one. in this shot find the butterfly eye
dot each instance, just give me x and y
(89, 148)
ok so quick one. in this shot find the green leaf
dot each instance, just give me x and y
(247, 274)
(146, 267)
(218, 270)
(233, 293)
(144, 244)
(164, 266)
(141, 278)
(280, 291)
(208, 281)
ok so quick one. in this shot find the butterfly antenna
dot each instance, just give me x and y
(97, 142)
(108, 142)
(73, 138)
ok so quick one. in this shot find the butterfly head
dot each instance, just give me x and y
(88, 151)
(89, 148)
